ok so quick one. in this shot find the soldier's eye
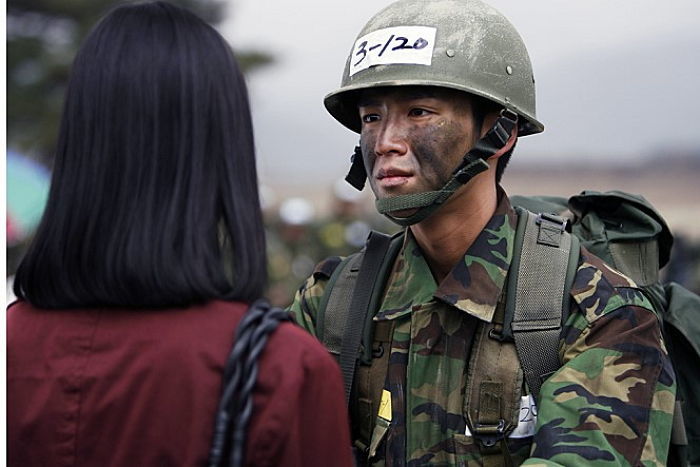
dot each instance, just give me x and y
(369, 118)
(418, 112)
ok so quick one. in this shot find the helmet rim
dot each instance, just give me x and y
(342, 103)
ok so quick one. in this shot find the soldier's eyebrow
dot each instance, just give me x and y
(418, 94)
(366, 100)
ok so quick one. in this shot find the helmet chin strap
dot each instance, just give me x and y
(499, 139)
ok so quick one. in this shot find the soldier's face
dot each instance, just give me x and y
(413, 137)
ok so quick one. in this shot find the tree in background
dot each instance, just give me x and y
(42, 39)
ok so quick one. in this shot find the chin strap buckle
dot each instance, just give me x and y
(500, 133)
(470, 170)
(496, 138)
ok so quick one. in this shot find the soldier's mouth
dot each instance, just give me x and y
(393, 177)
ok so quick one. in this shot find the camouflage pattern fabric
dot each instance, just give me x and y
(611, 402)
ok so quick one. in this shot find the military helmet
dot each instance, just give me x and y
(458, 44)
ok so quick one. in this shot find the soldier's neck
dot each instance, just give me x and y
(447, 235)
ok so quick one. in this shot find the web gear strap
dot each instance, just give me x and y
(376, 249)
(538, 293)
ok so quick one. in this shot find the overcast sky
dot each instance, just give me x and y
(615, 78)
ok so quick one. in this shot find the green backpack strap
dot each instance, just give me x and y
(349, 300)
(330, 319)
(538, 300)
(375, 251)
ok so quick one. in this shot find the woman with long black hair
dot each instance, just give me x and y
(150, 251)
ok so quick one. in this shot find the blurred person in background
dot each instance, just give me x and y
(298, 237)
(346, 228)
(293, 248)
(147, 257)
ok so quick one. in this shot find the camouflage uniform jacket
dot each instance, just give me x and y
(610, 403)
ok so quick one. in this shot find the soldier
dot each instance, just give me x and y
(346, 227)
(439, 92)
(292, 248)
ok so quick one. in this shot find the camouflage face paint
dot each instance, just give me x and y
(438, 150)
(433, 147)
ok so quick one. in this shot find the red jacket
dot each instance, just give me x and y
(140, 388)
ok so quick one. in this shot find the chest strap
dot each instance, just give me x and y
(368, 392)
(493, 390)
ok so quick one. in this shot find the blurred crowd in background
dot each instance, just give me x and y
(299, 235)
(300, 231)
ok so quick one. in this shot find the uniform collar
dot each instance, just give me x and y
(474, 284)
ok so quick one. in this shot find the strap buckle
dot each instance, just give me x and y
(558, 221)
(489, 434)
(500, 133)
(357, 175)
(551, 229)
(510, 115)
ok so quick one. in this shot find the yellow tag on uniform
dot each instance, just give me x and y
(385, 406)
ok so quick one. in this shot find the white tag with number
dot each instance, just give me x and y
(401, 44)
(527, 419)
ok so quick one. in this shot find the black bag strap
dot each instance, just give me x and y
(333, 307)
(375, 251)
(538, 292)
(240, 375)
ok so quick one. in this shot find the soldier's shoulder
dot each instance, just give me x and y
(599, 289)
(322, 272)
(324, 269)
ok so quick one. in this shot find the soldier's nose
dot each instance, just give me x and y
(391, 140)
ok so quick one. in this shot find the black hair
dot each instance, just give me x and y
(154, 198)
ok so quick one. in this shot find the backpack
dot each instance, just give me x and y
(622, 229)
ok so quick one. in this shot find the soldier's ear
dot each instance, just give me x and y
(488, 119)
(510, 144)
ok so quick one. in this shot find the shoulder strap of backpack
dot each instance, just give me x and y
(352, 293)
(543, 268)
(336, 297)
